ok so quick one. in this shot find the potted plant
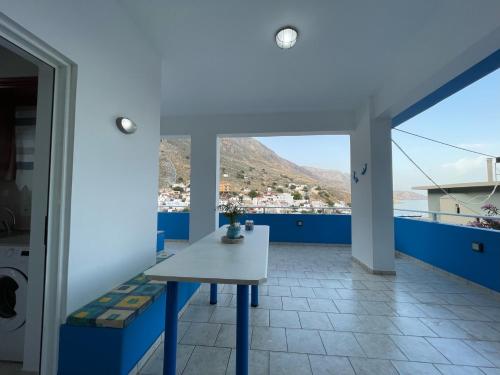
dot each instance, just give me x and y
(232, 211)
(490, 210)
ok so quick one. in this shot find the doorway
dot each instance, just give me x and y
(26, 103)
(49, 291)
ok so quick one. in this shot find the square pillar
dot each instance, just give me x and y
(204, 194)
(372, 195)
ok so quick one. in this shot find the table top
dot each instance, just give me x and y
(210, 261)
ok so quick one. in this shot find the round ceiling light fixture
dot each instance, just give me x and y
(286, 37)
(126, 125)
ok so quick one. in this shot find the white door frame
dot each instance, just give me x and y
(59, 202)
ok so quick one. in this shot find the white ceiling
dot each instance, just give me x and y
(220, 56)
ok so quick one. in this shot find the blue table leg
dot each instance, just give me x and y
(213, 294)
(242, 330)
(255, 296)
(170, 345)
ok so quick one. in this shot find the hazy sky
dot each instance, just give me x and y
(470, 119)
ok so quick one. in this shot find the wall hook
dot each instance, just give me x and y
(365, 167)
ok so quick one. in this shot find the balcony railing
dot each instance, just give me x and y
(466, 251)
(406, 213)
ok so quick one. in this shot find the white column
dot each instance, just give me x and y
(204, 197)
(372, 204)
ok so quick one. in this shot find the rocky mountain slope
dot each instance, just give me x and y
(247, 163)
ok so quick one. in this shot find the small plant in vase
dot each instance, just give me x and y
(232, 211)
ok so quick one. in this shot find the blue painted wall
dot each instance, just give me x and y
(315, 229)
(449, 248)
(174, 224)
(160, 241)
(283, 227)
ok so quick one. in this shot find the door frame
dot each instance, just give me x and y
(59, 199)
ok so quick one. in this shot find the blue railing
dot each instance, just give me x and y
(446, 246)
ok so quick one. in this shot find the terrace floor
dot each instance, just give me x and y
(321, 313)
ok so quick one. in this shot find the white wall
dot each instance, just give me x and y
(372, 205)
(113, 208)
(308, 123)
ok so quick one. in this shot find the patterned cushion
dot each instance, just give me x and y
(138, 280)
(119, 307)
(108, 300)
(154, 290)
(86, 316)
(115, 318)
(133, 302)
(124, 289)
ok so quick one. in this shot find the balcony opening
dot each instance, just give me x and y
(174, 183)
(286, 174)
(446, 159)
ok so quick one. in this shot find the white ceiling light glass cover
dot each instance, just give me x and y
(126, 125)
(286, 37)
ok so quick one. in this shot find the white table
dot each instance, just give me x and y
(210, 261)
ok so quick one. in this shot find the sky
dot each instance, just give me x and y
(469, 119)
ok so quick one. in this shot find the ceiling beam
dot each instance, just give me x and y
(411, 92)
(272, 124)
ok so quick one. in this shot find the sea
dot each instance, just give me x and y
(414, 204)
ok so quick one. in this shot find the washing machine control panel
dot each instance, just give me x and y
(12, 253)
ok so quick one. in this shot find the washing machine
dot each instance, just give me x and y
(13, 299)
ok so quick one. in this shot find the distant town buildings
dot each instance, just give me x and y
(224, 187)
(292, 198)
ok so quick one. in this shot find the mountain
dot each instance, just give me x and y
(407, 196)
(247, 163)
(332, 177)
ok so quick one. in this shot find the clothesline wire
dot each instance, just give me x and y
(445, 144)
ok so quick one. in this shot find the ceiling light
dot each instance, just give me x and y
(286, 37)
(126, 125)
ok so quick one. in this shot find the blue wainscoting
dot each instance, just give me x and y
(160, 241)
(334, 229)
(175, 225)
(449, 248)
(283, 227)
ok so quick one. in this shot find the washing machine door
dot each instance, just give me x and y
(13, 294)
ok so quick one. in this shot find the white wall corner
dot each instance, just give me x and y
(205, 162)
(371, 189)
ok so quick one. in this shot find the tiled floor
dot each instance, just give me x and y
(320, 313)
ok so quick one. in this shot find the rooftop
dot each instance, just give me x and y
(464, 185)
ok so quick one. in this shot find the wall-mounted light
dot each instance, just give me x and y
(126, 125)
(286, 37)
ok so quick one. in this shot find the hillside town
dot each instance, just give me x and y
(292, 198)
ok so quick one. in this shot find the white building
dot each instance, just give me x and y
(465, 198)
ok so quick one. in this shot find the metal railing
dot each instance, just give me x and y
(435, 214)
(416, 214)
(270, 209)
